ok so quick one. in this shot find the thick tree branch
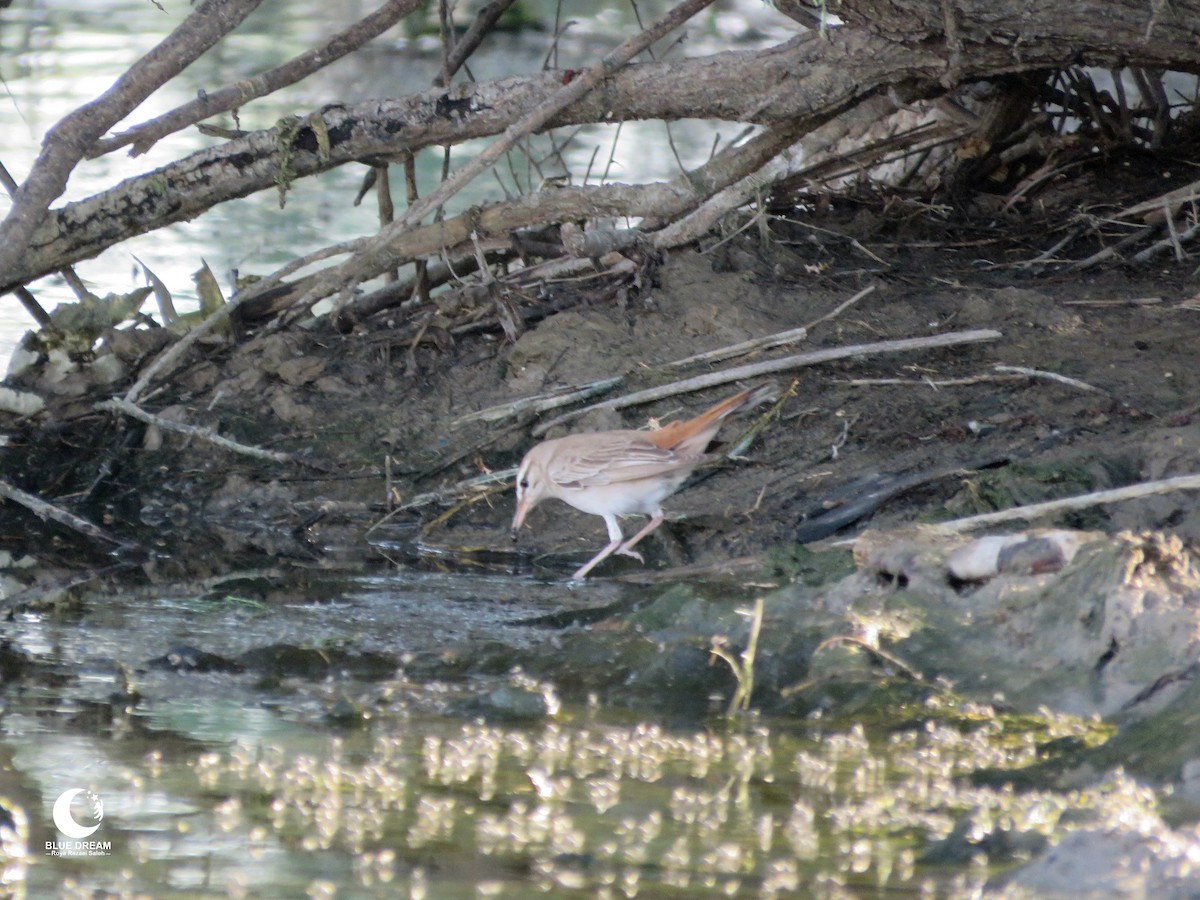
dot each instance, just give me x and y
(807, 79)
(376, 250)
(756, 86)
(663, 202)
(67, 142)
(144, 136)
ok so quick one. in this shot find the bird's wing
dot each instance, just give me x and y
(614, 457)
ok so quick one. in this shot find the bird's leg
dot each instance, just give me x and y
(626, 548)
(614, 543)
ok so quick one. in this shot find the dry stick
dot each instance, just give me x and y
(1100, 256)
(1047, 257)
(840, 308)
(754, 370)
(387, 212)
(1050, 376)
(65, 143)
(472, 37)
(420, 290)
(779, 339)
(1080, 501)
(582, 84)
(1174, 240)
(666, 200)
(144, 136)
(853, 242)
(930, 382)
(771, 341)
(205, 434)
(1169, 201)
(267, 282)
(702, 220)
(540, 402)
(44, 510)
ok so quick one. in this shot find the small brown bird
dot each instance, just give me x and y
(621, 473)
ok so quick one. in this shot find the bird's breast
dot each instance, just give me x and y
(642, 496)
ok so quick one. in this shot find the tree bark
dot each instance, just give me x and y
(762, 87)
(68, 141)
(145, 135)
(910, 48)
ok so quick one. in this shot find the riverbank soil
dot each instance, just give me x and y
(1090, 383)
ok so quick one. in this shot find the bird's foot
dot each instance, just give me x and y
(624, 551)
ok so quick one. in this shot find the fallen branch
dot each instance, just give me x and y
(1068, 504)
(666, 201)
(770, 341)
(754, 370)
(1049, 376)
(540, 402)
(1164, 205)
(930, 382)
(1173, 241)
(45, 510)
(778, 339)
(755, 174)
(134, 411)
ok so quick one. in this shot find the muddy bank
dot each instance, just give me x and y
(372, 423)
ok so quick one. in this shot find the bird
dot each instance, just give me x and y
(619, 473)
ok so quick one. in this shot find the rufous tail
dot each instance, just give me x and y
(692, 436)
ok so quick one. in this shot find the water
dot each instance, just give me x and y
(53, 59)
(450, 776)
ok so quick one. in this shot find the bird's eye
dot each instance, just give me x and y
(523, 484)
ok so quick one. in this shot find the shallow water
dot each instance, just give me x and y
(318, 734)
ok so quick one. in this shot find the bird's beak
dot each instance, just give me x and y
(523, 508)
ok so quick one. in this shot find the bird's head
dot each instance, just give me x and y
(532, 483)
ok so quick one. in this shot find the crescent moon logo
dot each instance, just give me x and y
(65, 822)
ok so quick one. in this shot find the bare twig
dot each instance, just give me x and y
(779, 339)
(541, 402)
(840, 308)
(749, 165)
(472, 38)
(1168, 202)
(1049, 376)
(134, 411)
(930, 382)
(755, 370)
(45, 510)
(1174, 240)
(1067, 504)
(1115, 250)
